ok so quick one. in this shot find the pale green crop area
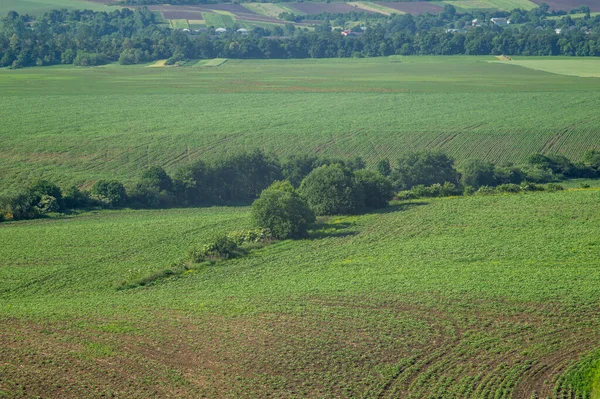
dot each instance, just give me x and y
(460, 297)
(75, 125)
(38, 7)
(577, 67)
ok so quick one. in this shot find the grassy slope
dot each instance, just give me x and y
(464, 297)
(91, 123)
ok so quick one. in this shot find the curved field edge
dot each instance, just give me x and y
(374, 108)
(468, 297)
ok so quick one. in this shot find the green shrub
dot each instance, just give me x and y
(331, 190)
(109, 192)
(18, 206)
(48, 204)
(469, 190)
(377, 189)
(426, 168)
(478, 173)
(253, 236)
(221, 246)
(485, 190)
(282, 211)
(508, 188)
(528, 186)
(73, 198)
(405, 195)
(554, 187)
(584, 185)
(436, 190)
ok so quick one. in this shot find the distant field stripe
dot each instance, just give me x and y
(211, 63)
(588, 68)
(271, 9)
(467, 5)
(374, 7)
(180, 24)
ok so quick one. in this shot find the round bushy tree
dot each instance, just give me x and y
(331, 190)
(377, 189)
(109, 192)
(477, 173)
(281, 210)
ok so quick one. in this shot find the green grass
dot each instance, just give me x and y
(506, 5)
(575, 67)
(179, 23)
(38, 7)
(211, 63)
(271, 9)
(573, 16)
(113, 121)
(459, 297)
(218, 20)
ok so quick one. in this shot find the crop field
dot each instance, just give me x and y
(242, 15)
(567, 5)
(414, 7)
(468, 107)
(37, 7)
(483, 297)
(271, 9)
(318, 8)
(581, 67)
(507, 5)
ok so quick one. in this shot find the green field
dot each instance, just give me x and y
(581, 67)
(485, 296)
(113, 121)
(218, 20)
(37, 7)
(271, 9)
(507, 5)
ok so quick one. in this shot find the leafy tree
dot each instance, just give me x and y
(477, 173)
(384, 167)
(426, 168)
(18, 206)
(297, 167)
(109, 192)
(377, 189)
(281, 210)
(331, 190)
(73, 198)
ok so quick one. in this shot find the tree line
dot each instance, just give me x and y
(130, 37)
(328, 185)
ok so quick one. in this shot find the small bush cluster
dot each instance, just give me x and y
(226, 246)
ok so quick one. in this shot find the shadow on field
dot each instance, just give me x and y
(399, 207)
(328, 229)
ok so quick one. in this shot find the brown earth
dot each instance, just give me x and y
(326, 347)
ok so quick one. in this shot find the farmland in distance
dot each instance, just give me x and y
(380, 107)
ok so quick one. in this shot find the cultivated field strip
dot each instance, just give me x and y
(370, 108)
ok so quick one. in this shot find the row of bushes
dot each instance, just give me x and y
(450, 190)
(330, 186)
